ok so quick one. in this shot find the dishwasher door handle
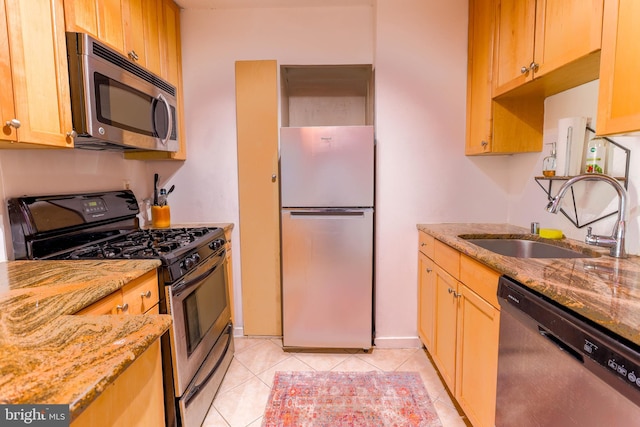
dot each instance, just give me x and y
(560, 344)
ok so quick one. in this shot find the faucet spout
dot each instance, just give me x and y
(616, 242)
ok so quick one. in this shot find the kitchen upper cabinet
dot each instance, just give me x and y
(132, 27)
(507, 126)
(618, 106)
(102, 19)
(537, 37)
(35, 106)
(459, 297)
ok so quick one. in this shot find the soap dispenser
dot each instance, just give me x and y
(549, 162)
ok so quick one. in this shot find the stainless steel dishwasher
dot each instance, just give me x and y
(557, 369)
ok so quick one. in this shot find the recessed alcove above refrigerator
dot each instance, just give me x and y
(326, 95)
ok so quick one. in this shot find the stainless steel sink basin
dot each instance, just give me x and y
(521, 247)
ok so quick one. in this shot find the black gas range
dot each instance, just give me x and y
(193, 282)
(104, 226)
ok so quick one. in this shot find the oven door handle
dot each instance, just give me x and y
(184, 285)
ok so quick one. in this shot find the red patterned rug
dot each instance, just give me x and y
(349, 399)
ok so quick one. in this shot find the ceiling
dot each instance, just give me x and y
(239, 4)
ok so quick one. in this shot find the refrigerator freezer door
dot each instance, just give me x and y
(327, 166)
(327, 286)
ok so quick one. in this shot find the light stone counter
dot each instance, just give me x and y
(603, 289)
(47, 354)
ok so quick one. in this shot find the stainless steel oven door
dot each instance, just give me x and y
(199, 307)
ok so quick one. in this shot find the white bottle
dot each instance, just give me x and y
(596, 156)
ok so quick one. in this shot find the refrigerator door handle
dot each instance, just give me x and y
(328, 213)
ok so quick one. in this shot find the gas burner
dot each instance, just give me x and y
(112, 251)
(93, 251)
(141, 251)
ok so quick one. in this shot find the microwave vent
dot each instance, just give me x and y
(123, 63)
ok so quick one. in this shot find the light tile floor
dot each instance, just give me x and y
(243, 395)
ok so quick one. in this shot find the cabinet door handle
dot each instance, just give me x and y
(524, 70)
(72, 134)
(124, 307)
(14, 123)
(534, 66)
(133, 55)
(274, 177)
(429, 270)
(146, 294)
(484, 143)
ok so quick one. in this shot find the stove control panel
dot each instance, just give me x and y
(216, 244)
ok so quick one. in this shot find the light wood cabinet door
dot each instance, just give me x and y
(39, 74)
(81, 16)
(170, 42)
(426, 300)
(133, 23)
(7, 111)
(618, 107)
(259, 200)
(445, 329)
(565, 31)
(514, 44)
(477, 358)
(151, 10)
(111, 23)
(134, 399)
(480, 57)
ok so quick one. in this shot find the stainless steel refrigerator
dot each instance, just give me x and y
(327, 193)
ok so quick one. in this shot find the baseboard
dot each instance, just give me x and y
(397, 342)
(238, 331)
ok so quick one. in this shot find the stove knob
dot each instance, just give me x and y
(196, 258)
(189, 263)
(215, 245)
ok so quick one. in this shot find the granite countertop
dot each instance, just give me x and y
(603, 289)
(47, 354)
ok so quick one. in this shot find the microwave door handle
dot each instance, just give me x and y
(161, 97)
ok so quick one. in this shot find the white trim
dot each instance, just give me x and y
(398, 342)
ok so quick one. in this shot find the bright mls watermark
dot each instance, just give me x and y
(35, 415)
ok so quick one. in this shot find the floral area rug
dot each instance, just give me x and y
(349, 399)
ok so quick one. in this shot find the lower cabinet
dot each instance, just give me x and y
(459, 321)
(135, 398)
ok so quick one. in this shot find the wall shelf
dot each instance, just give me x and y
(547, 184)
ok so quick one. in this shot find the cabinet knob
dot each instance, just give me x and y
(274, 177)
(146, 294)
(429, 270)
(534, 67)
(484, 143)
(72, 134)
(123, 308)
(14, 123)
(133, 55)
(524, 70)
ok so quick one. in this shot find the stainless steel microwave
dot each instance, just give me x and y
(115, 103)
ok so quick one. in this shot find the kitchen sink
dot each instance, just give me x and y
(528, 247)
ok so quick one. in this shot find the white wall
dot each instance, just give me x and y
(423, 175)
(41, 172)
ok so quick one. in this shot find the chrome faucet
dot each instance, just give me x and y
(616, 241)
